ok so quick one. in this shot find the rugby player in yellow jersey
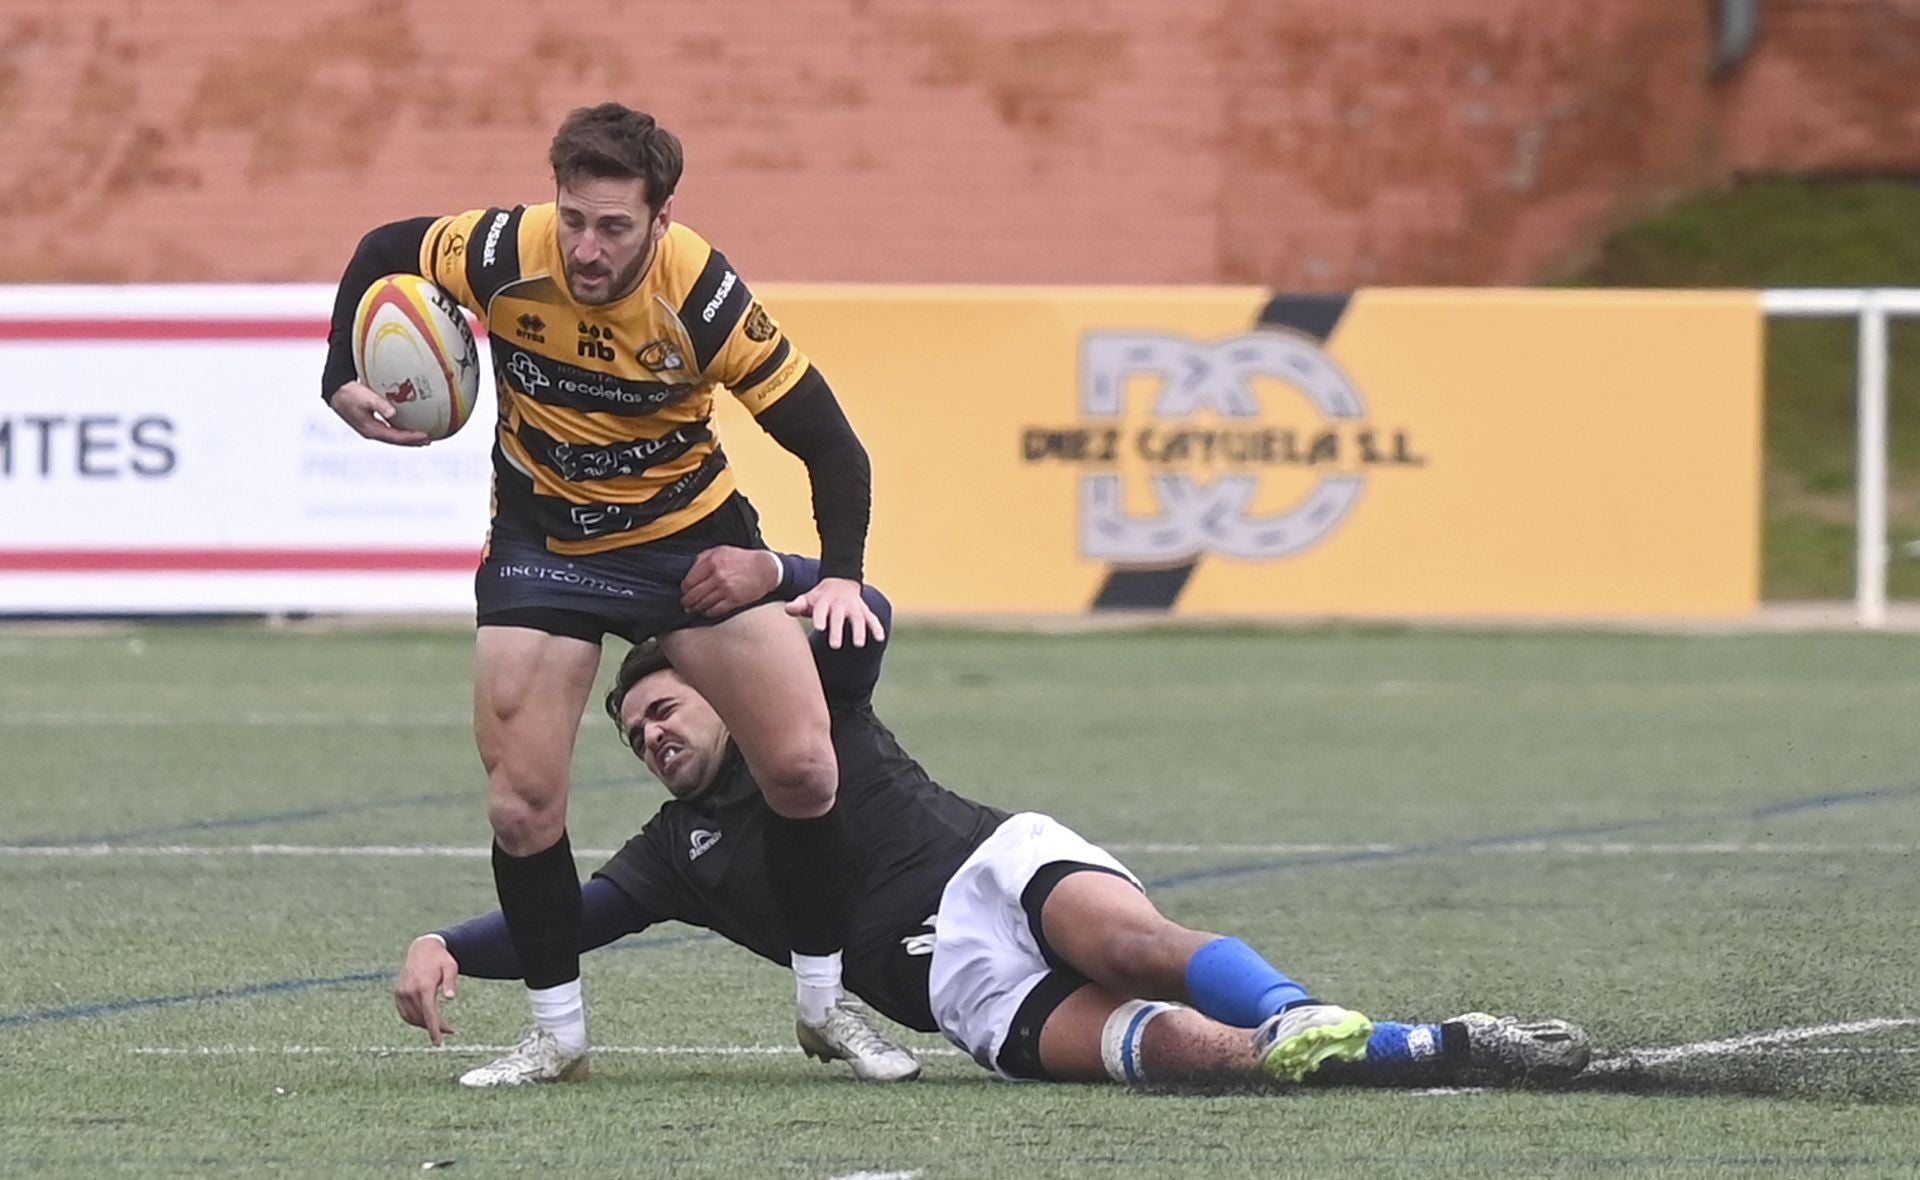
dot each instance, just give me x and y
(612, 328)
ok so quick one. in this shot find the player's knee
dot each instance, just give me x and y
(525, 822)
(800, 781)
(1121, 952)
(1142, 958)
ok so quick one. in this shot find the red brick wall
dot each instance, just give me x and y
(1315, 144)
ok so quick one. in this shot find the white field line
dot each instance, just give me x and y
(485, 1050)
(462, 851)
(1765, 1044)
(1833, 1052)
(1748, 1044)
(1533, 847)
(915, 1174)
(324, 720)
(374, 851)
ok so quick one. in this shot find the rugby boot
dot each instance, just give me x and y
(849, 1034)
(1294, 1043)
(1505, 1050)
(537, 1058)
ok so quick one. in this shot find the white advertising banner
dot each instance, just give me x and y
(166, 449)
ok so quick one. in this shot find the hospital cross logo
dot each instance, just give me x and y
(1184, 446)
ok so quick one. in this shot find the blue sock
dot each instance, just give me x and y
(1403, 1044)
(1229, 981)
(1393, 1052)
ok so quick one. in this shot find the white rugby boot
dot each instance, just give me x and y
(537, 1058)
(1296, 1042)
(1508, 1050)
(849, 1034)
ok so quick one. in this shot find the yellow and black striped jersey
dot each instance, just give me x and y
(606, 432)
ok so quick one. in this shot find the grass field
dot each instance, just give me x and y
(1701, 848)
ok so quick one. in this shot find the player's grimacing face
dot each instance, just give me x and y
(607, 235)
(675, 732)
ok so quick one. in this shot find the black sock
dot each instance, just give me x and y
(540, 899)
(807, 867)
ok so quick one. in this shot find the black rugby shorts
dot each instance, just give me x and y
(632, 592)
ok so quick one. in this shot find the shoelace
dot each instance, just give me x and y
(528, 1051)
(858, 1033)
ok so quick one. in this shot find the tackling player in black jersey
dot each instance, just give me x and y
(612, 327)
(1032, 949)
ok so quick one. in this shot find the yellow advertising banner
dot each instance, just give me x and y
(1396, 453)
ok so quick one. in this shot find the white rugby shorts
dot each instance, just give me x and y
(987, 956)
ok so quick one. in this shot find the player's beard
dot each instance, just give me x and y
(623, 283)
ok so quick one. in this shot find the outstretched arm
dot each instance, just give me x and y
(480, 947)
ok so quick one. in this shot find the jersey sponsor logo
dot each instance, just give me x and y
(703, 839)
(565, 577)
(595, 343)
(492, 245)
(531, 327)
(759, 326)
(622, 394)
(575, 463)
(588, 521)
(1209, 440)
(719, 297)
(455, 245)
(527, 372)
(587, 389)
(660, 356)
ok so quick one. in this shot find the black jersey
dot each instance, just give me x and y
(703, 860)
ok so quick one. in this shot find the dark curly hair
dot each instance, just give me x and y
(616, 142)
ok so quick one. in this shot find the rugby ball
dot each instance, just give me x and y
(411, 344)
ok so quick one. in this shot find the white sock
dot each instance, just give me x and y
(562, 1011)
(816, 982)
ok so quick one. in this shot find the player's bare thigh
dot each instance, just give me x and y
(757, 671)
(1108, 931)
(530, 690)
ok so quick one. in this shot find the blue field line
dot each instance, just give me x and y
(1174, 881)
(1576, 832)
(115, 1007)
(1822, 802)
(476, 797)
(285, 987)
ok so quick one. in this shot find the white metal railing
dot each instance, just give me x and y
(1872, 307)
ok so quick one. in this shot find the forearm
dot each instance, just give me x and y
(391, 249)
(484, 950)
(810, 423)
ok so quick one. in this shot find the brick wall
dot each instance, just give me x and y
(1316, 144)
